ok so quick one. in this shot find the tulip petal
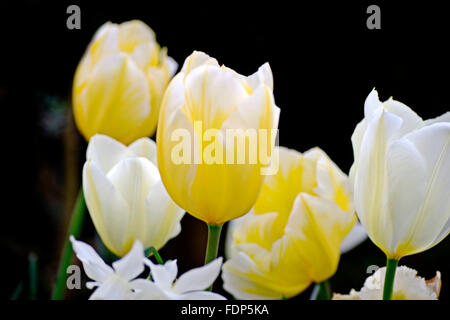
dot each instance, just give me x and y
(262, 76)
(107, 207)
(355, 237)
(144, 147)
(426, 205)
(163, 216)
(105, 152)
(196, 59)
(198, 278)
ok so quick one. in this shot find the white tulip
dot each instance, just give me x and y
(401, 177)
(125, 196)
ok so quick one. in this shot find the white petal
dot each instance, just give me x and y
(442, 118)
(262, 76)
(163, 275)
(198, 278)
(147, 290)
(144, 147)
(202, 295)
(422, 199)
(107, 207)
(196, 59)
(356, 236)
(105, 151)
(131, 265)
(163, 217)
(113, 289)
(93, 265)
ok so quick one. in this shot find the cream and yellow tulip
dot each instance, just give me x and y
(293, 234)
(401, 177)
(120, 81)
(202, 98)
(125, 196)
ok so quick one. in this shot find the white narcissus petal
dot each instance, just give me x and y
(196, 59)
(147, 290)
(355, 237)
(108, 209)
(163, 275)
(112, 289)
(423, 171)
(131, 265)
(105, 151)
(201, 295)
(93, 265)
(144, 147)
(164, 216)
(198, 278)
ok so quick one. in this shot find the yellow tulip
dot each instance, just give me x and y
(125, 196)
(293, 234)
(120, 81)
(203, 103)
(401, 177)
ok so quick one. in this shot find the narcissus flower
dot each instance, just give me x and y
(125, 196)
(114, 283)
(121, 283)
(407, 286)
(215, 136)
(401, 177)
(120, 81)
(189, 286)
(293, 234)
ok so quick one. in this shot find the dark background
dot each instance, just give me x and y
(324, 61)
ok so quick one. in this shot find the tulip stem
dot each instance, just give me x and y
(321, 291)
(75, 226)
(391, 266)
(212, 247)
(152, 250)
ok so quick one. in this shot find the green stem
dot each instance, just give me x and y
(33, 274)
(75, 226)
(322, 291)
(212, 247)
(152, 250)
(391, 266)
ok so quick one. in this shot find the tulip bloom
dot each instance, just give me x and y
(120, 81)
(125, 196)
(408, 286)
(201, 103)
(293, 234)
(401, 177)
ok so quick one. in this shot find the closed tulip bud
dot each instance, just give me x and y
(120, 81)
(215, 136)
(125, 196)
(401, 177)
(293, 234)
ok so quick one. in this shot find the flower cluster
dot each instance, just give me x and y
(291, 215)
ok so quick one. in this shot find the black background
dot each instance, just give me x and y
(324, 60)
